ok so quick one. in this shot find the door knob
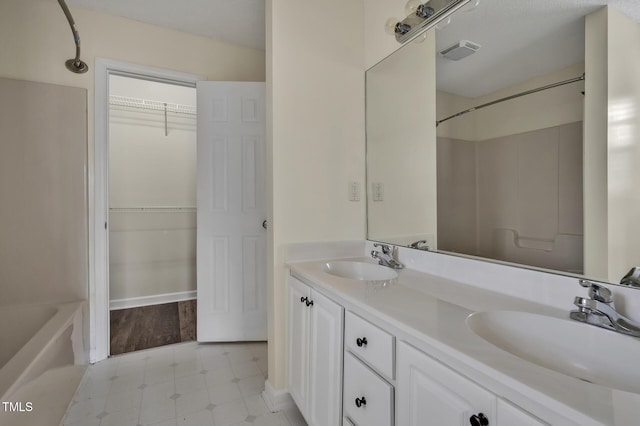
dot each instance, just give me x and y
(264, 224)
(361, 342)
(360, 402)
(478, 420)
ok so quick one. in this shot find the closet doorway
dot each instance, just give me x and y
(152, 132)
(230, 147)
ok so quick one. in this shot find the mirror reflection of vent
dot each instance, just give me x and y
(460, 50)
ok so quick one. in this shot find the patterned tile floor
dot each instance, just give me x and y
(187, 384)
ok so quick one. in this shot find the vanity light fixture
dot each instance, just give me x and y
(422, 10)
(422, 16)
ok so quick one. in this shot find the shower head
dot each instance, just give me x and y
(74, 65)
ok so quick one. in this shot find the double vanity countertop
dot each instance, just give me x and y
(430, 313)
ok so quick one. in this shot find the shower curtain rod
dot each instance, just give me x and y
(517, 95)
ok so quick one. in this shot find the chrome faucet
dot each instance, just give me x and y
(420, 245)
(632, 279)
(599, 310)
(385, 257)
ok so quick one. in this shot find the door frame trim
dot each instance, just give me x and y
(99, 192)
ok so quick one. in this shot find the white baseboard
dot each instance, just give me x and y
(276, 400)
(156, 299)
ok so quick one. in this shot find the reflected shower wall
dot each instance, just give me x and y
(519, 195)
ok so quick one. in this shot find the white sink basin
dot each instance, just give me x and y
(578, 350)
(362, 271)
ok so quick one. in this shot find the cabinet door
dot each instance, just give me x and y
(298, 342)
(509, 414)
(325, 362)
(428, 393)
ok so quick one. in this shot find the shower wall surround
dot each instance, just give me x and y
(43, 202)
(510, 177)
(519, 195)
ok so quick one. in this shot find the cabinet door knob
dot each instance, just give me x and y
(304, 299)
(309, 302)
(478, 420)
(361, 342)
(360, 402)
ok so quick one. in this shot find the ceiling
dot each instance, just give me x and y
(519, 39)
(235, 21)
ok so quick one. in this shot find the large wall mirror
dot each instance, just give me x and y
(475, 137)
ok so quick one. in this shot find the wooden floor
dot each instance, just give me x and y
(151, 326)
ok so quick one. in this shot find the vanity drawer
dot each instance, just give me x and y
(367, 397)
(370, 343)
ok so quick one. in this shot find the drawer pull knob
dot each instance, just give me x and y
(304, 299)
(360, 402)
(478, 420)
(361, 342)
(309, 302)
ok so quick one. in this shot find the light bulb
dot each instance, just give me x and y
(390, 26)
(411, 7)
(443, 23)
(421, 38)
(471, 5)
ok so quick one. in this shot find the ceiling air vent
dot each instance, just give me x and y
(460, 50)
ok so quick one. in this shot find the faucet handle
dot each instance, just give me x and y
(385, 248)
(597, 292)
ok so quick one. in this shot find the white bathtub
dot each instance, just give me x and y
(42, 360)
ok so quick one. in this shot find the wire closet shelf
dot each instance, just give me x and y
(153, 209)
(128, 102)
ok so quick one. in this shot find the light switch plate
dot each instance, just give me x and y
(378, 191)
(354, 191)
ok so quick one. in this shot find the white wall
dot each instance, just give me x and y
(36, 41)
(401, 146)
(37, 38)
(315, 138)
(624, 145)
(612, 201)
(151, 251)
(595, 145)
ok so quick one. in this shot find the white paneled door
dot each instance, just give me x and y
(231, 261)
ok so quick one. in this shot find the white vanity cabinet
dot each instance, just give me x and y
(428, 392)
(358, 367)
(315, 354)
(368, 398)
(509, 414)
(369, 343)
(368, 369)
